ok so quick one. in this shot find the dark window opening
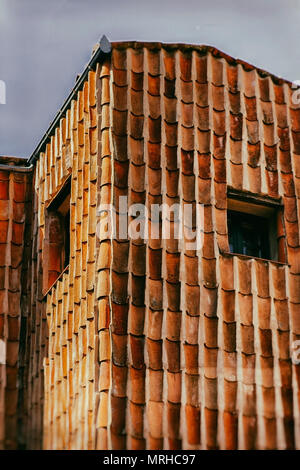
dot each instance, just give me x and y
(248, 235)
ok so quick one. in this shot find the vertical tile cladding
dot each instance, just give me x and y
(15, 218)
(62, 336)
(201, 341)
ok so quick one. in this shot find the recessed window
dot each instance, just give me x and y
(253, 225)
(57, 236)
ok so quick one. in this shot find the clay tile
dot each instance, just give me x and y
(295, 318)
(211, 425)
(220, 170)
(204, 160)
(236, 126)
(191, 358)
(264, 88)
(172, 178)
(120, 147)
(283, 344)
(173, 355)
(236, 150)
(119, 381)
(267, 114)
(279, 93)
(232, 78)
(292, 233)
(138, 290)
(204, 191)
(236, 171)
(154, 106)
(249, 432)
(209, 298)
(154, 155)
(285, 367)
(281, 114)
(230, 394)
(201, 68)
(137, 81)
(192, 299)
(247, 335)
(219, 145)
(253, 153)
(266, 367)
(173, 295)
(171, 134)
(271, 157)
(217, 71)
(138, 259)
(173, 264)
(250, 104)
(154, 181)
(226, 271)
(279, 283)
(173, 418)
(287, 401)
(119, 59)
(290, 208)
(136, 102)
(137, 173)
(218, 97)
(119, 124)
(262, 278)
(3, 233)
(192, 416)
(174, 387)
(210, 362)
(119, 318)
(230, 430)
(201, 91)
(272, 182)
(249, 79)
(155, 416)
(186, 91)
(188, 187)
(208, 248)
(192, 389)
(136, 126)
(246, 308)
(136, 319)
(248, 369)
(229, 336)
(153, 59)
(118, 411)
(119, 287)
(296, 142)
(269, 137)
(203, 140)
(211, 331)
(209, 272)
(136, 413)
(4, 189)
(265, 337)
(121, 173)
(295, 119)
(154, 350)
(270, 433)
(185, 61)
(228, 305)
(154, 85)
(211, 393)
(253, 131)
(202, 117)
(187, 114)
(173, 325)
(119, 349)
(218, 122)
(288, 184)
(235, 102)
(269, 401)
(284, 139)
(244, 273)
(120, 97)
(230, 366)
(264, 312)
(137, 351)
(170, 105)
(169, 65)
(170, 88)
(187, 135)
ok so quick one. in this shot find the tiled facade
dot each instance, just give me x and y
(146, 343)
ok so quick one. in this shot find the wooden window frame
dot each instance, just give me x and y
(56, 246)
(264, 206)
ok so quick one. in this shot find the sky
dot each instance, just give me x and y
(44, 44)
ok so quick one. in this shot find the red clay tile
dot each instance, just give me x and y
(119, 381)
(174, 387)
(173, 325)
(247, 336)
(211, 425)
(192, 416)
(136, 413)
(250, 430)
(234, 102)
(218, 97)
(155, 384)
(191, 358)
(173, 420)
(230, 430)
(119, 349)
(201, 92)
(228, 305)
(154, 415)
(154, 349)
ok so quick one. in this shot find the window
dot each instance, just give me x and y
(57, 236)
(254, 225)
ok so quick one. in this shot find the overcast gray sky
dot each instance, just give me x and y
(45, 43)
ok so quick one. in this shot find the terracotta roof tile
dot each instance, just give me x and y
(211, 424)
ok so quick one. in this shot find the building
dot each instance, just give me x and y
(130, 342)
